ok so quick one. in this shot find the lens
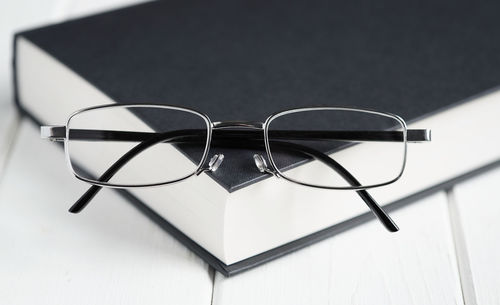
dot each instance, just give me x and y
(337, 147)
(136, 145)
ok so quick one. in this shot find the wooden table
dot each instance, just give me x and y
(448, 251)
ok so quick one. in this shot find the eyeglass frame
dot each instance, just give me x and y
(61, 133)
(51, 133)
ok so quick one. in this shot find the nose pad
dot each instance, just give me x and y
(215, 162)
(261, 164)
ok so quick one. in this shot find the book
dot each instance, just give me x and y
(235, 60)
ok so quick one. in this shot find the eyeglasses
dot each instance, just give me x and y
(141, 145)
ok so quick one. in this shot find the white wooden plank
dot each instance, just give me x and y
(478, 210)
(363, 266)
(109, 254)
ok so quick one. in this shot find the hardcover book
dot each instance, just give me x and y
(436, 65)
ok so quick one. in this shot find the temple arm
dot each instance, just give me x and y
(384, 218)
(58, 133)
(179, 136)
(84, 200)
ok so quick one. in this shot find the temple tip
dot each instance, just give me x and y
(83, 201)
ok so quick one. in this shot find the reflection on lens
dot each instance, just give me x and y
(369, 146)
(136, 145)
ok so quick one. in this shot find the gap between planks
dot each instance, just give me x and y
(462, 256)
(10, 121)
(211, 273)
(479, 210)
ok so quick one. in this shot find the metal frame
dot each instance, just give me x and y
(54, 133)
(278, 172)
(199, 167)
(62, 133)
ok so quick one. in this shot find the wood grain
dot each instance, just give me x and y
(478, 211)
(363, 266)
(109, 254)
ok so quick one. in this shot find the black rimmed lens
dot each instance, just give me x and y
(113, 146)
(369, 145)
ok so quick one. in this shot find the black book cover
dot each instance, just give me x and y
(244, 60)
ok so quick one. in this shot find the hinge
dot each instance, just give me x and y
(53, 133)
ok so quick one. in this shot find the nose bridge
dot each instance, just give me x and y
(260, 162)
(241, 124)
